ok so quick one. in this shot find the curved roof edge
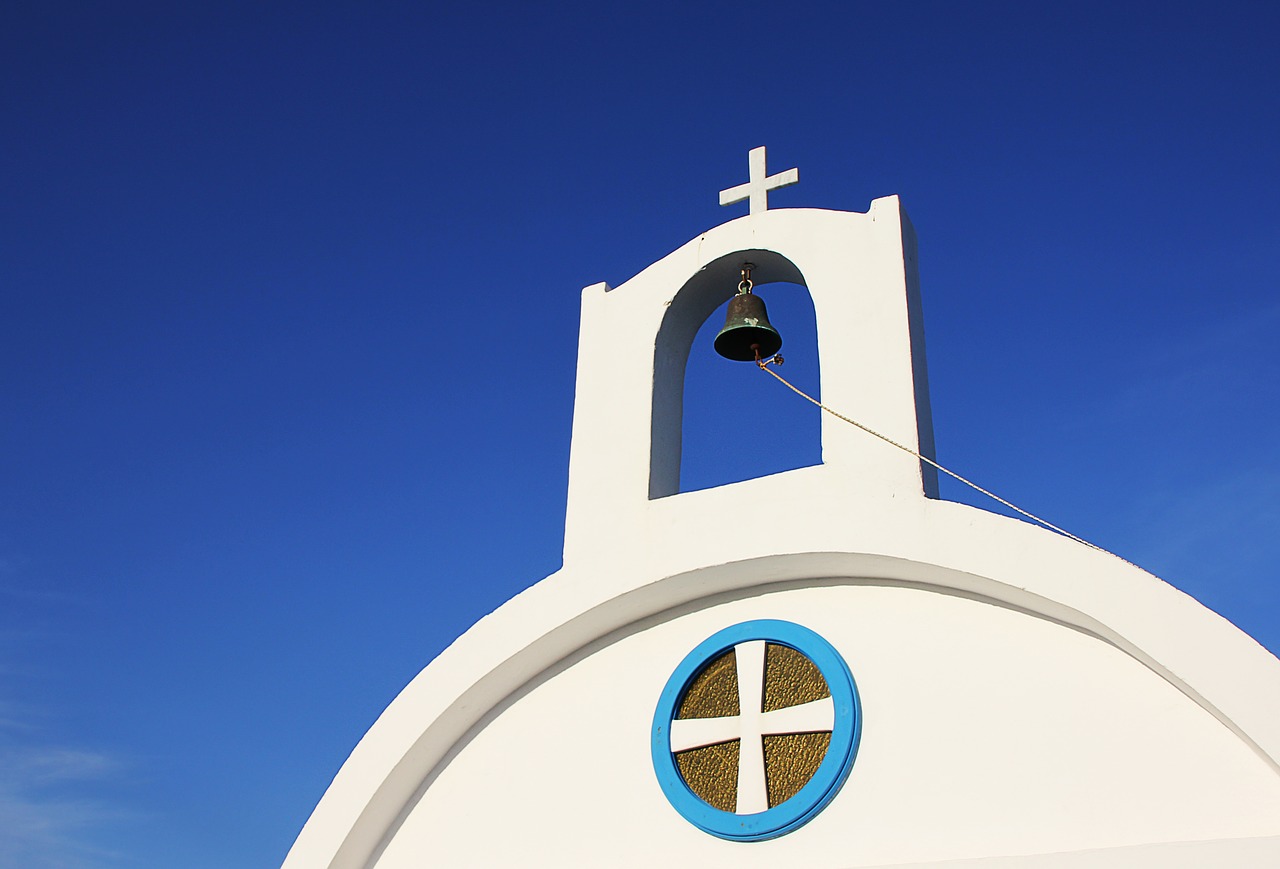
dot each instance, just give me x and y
(942, 546)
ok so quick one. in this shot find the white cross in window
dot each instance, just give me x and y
(751, 725)
(757, 189)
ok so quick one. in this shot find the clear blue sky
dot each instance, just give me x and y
(290, 305)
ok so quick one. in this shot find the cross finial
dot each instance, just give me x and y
(757, 189)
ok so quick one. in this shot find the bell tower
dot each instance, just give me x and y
(635, 340)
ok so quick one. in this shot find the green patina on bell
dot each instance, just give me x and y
(747, 333)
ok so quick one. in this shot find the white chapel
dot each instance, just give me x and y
(875, 677)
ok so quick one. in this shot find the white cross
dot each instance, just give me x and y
(757, 189)
(751, 725)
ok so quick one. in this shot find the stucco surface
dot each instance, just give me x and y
(995, 731)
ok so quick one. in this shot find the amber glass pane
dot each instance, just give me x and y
(790, 760)
(711, 772)
(714, 692)
(790, 678)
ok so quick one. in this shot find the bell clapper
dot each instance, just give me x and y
(775, 359)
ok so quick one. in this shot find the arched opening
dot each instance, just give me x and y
(717, 421)
(740, 423)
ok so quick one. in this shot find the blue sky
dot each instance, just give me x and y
(290, 305)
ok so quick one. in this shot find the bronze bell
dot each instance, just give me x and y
(747, 331)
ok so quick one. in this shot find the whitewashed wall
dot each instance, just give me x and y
(1023, 694)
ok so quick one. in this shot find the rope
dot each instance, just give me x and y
(764, 366)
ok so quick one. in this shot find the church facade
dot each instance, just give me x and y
(872, 677)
